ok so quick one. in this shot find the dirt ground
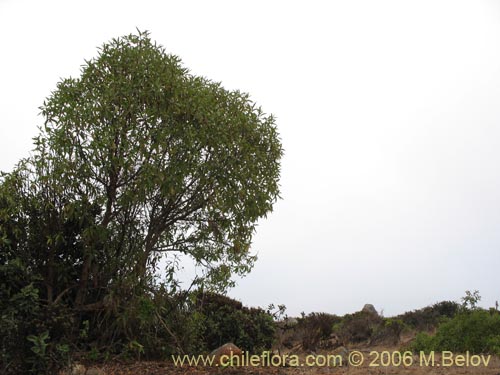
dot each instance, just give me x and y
(417, 368)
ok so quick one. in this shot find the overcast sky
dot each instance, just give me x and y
(389, 114)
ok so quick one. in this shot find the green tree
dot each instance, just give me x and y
(139, 160)
(471, 299)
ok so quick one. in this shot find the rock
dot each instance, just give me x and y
(369, 308)
(95, 371)
(343, 356)
(231, 351)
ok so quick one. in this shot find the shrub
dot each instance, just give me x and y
(429, 317)
(358, 327)
(387, 332)
(477, 331)
(40, 338)
(227, 320)
(33, 336)
(156, 324)
(316, 327)
(19, 305)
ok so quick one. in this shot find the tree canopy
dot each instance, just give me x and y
(137, 160)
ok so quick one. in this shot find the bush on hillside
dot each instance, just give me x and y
(387, 332)
(429, 317)
(476, 331)
(316, 327)
(358, 327)
(223, 320)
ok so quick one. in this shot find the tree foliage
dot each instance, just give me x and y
(138, 160)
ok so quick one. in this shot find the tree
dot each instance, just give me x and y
(471, 299)
(139, 160)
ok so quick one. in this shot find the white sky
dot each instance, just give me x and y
(389, 113)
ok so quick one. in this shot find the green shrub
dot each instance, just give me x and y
(422, 342)
(476, 331)
(155, 326)
(19, 305)
(39, 338)
(227, 320)
(429, 317)
(33, 335)
(388, 331)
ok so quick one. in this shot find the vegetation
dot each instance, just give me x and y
(316, 328)
(138, 164)
(471, 329)
(476, 331)
(225, 320)
(358, 327)
(428, 318)
(388, 332)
